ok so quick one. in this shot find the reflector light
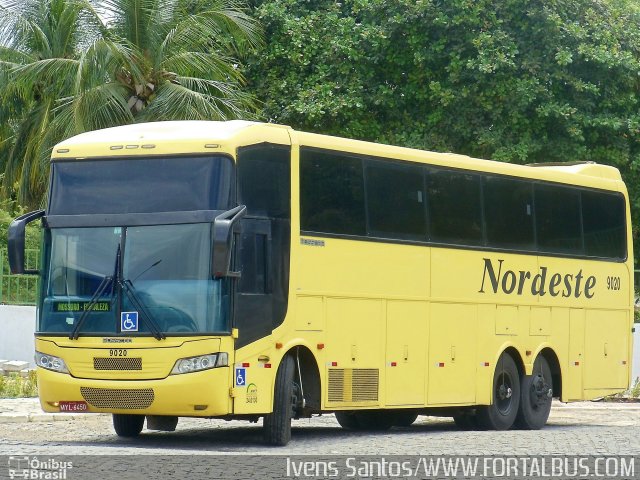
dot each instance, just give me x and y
(320, 346)
(441, 364)
(245, 365)
(393, 364)
(334, 364)
(576, 363)
(278, 345)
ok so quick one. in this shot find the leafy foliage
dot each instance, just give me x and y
(518, 81)
(69, 66)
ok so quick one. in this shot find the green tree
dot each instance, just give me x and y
(69, 66)
(520, 81)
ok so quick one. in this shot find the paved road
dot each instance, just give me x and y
(590, 428)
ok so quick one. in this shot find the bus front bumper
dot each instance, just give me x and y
(201, 394)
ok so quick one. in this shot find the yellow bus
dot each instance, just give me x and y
(241, 270)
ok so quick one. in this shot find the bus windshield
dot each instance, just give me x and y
(167, 266)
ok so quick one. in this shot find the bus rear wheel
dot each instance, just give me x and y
(501, 414)
(466, 421)
(347, 420)
(128, 425)
(536, 395)
(404, 419)
(371, 420)
(277, 425)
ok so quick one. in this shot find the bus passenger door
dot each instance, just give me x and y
(406, 352)
(253, 303)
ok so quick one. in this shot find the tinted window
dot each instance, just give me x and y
(603, 218)
(454, 207)
(395, 201)
(508, 212)
(141, 185)
(331, 193)
(264, 180)
(558, 219)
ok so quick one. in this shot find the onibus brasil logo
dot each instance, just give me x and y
(37, 469)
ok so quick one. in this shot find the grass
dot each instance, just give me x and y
(634, 392)
(631, 395)
(15, 386)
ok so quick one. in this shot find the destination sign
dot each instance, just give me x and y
(81, 306)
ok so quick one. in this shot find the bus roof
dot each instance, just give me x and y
(171, 137)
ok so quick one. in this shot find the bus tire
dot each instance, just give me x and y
(347, 420)
(466, 421)
(128, 425)
(535, 397)
(501, 414)
(276, 427)
(404, 419)
(375, 420)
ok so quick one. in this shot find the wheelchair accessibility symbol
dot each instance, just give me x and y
(241, 377)
(129, 321)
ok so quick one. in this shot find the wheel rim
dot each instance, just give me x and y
(540, 392)
(504, 393)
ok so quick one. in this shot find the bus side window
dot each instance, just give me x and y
(455, 207)
(332, 198)
(603, 220)
(558, 219)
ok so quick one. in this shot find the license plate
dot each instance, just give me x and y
(74, 407)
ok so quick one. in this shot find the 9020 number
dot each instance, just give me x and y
(613, 283)
(118, 352)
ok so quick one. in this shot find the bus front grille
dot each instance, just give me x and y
(116, 398)
(108, 363)
(353, 385)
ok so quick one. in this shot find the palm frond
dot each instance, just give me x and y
(177, 102)
(205, 65)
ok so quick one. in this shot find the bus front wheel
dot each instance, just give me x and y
(277, 425)
(501, 414)
(128, 425)
(535, 399)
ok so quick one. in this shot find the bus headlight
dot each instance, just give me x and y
(202, 362)
(51, 362)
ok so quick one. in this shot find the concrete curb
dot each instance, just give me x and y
(44, 417)
(26, 410)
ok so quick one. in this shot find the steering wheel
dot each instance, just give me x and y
(177, 321)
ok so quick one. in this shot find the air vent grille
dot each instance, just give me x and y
(125, 399)
(107, 363)
(348, 385)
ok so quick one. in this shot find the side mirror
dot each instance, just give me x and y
(16, 241)
(224, 227)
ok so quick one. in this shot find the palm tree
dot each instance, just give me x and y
(68, 66)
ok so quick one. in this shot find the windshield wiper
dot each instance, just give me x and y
(132, 293)
(75, 333)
